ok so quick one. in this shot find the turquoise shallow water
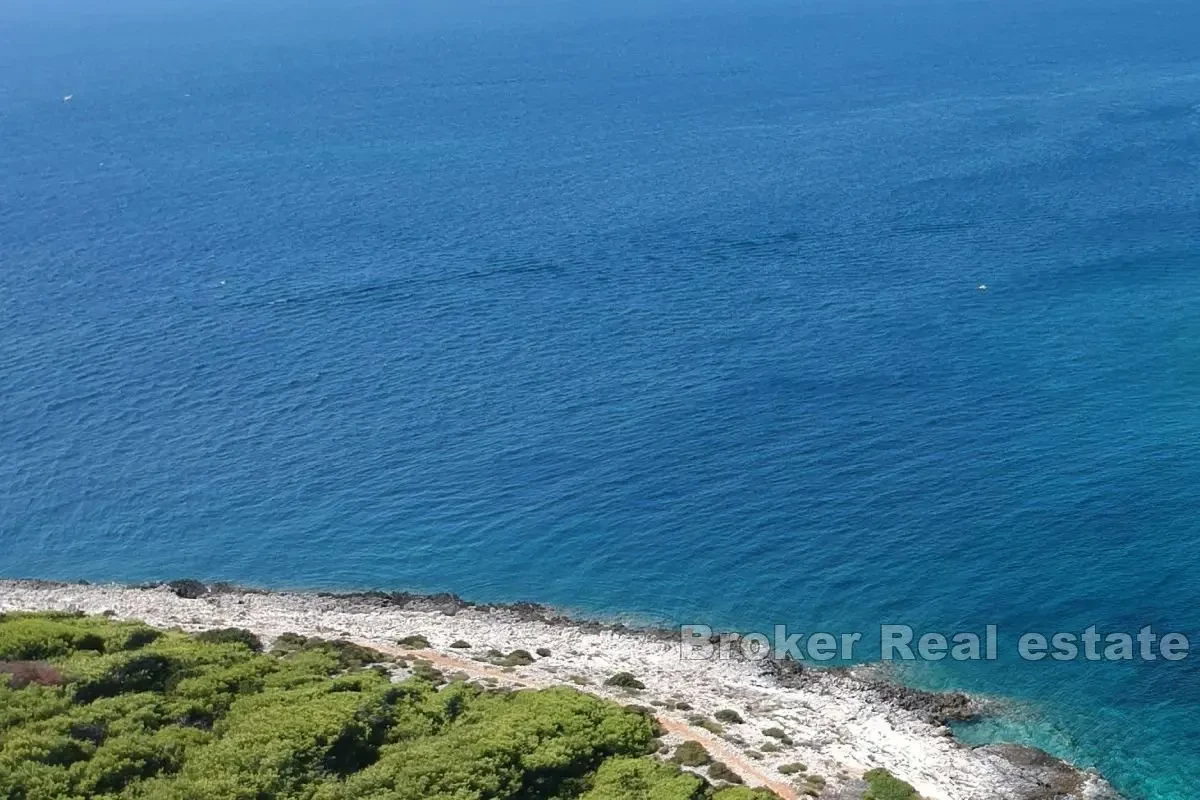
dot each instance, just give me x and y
(663, 310)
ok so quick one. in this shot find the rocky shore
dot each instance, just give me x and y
(763, 717)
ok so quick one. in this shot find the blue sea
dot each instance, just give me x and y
(669, 310)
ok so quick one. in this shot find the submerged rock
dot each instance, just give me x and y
(1048, 778)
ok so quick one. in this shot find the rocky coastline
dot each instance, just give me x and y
(838, 722)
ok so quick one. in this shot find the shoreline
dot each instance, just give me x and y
(840, 722)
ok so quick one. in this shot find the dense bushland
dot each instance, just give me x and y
(92, 708)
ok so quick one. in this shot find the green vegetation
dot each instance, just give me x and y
(232, 636)
(93, 708)
(701, 721)
(517, 658)
(745, 793)
(777, 733)
(414, 642)
(719, 771)
(812, 785)
(509, 661)
(460, 644)
(728, 715)
(642, 779)
(625, 680)
(792, 768)
(883, 785)
(691, 754)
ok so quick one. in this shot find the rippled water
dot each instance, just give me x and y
(670, 311)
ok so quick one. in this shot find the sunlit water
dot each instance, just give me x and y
(667, 311)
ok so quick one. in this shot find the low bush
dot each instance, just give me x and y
(744, 793)
(625, 680)
(728, 715)
(883, 785)
(425, 671)
(642, 779)
(779, 734)
(232, 636)
(691, 754)
(517, 658)
(792, 768)
(414, 642)
(707, 724)
(719, 771)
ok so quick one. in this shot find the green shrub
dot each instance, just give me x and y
(346, 655)
(642, 779)
(232, 636)
(691, 754)
(883, 785)
(29, 638)
(744, 793)
(719, 771)
(792, 768)
(543, 652)
(414, 642)
(289, 641)
(460, 644)
(728, 715)
(425, 671)
(778, 733)
(126, 674)
(701, 721)
(560, 734)
(517, 658)
(625, 680)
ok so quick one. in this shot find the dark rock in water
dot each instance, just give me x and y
(1049, 778)
(937, 707)
(225, 587)
(188, 588)
(787, 672)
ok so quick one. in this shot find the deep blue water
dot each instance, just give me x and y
(667, 310)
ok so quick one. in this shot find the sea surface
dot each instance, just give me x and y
(669, 309)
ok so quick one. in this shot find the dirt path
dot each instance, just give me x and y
(754, 774)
